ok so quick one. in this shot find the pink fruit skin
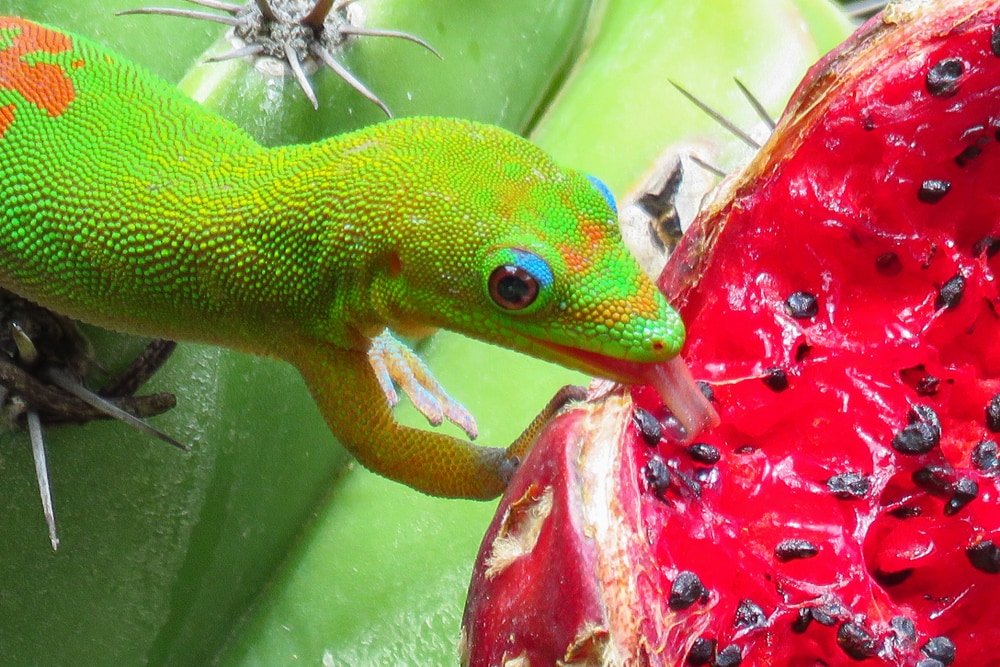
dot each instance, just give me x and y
(563, 592)
(847, 204)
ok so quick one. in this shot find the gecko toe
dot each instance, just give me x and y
(395, 365)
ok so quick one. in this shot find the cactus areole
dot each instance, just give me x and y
(843, 308)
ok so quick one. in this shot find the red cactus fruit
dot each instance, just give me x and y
(843, 307)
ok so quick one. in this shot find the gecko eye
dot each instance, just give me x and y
(513, 288)
(518, 280)
(605, 192)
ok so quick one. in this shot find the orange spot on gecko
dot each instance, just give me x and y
(6, 118)
(595, 232)
(43, 84)
(575, 260)
(77, 64)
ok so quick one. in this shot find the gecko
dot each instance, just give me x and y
(127, 205)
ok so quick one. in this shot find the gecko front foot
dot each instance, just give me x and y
(277, 30)
(397, 365)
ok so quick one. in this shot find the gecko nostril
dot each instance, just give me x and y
(395, 265)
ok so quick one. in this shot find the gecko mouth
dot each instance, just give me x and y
(595, 363)
(670, 377)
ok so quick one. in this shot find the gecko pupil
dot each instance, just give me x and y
(513, 288)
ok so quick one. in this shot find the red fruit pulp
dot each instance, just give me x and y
(843, 305)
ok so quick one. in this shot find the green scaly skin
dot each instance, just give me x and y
(124, 204)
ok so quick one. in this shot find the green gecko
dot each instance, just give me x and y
(126, 205)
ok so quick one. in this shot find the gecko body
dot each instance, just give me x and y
(125, 204)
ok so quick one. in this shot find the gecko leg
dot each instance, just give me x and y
(397, 365)
(520, 447)
(348, 392)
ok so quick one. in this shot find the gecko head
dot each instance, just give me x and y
(564, 287)
(529, 256)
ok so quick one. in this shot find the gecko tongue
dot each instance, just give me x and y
(682, 396)
(671, 379)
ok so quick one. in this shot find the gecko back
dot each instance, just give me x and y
(71, 94)
(100, 166)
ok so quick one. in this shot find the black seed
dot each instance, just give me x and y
(802, 305)
(929, 662)
(993, 414)
(688, 483)
(942, 79)
(915, 439)
(825, 615)
(855, 641)
(728, 657)
(904, 628)
(988, 244)
(955, 505)
(657, 476)
(702, 452)
(925, 414)
(940, 648)
(888, 264)
(794, 550)
(749, 615)
(890, 579)
(965, 491)
(995, 42)
(968, 154)
(966, 487)
(928, 386)
(702, 651)
(984, 556)
(685, 591)
(922, 382)
(848, 485)
(868, 125)
(912, 374)
(906, 512)
(649, 426)
(776, 379)
(706, 390)
(802, 351)
(932, 191)
(802, 620)
(950, 294)
(937, 479)
(921, 435)
(984, 456)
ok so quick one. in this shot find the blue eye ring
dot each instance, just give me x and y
(605, 192)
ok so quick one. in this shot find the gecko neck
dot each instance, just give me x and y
(282, 249)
